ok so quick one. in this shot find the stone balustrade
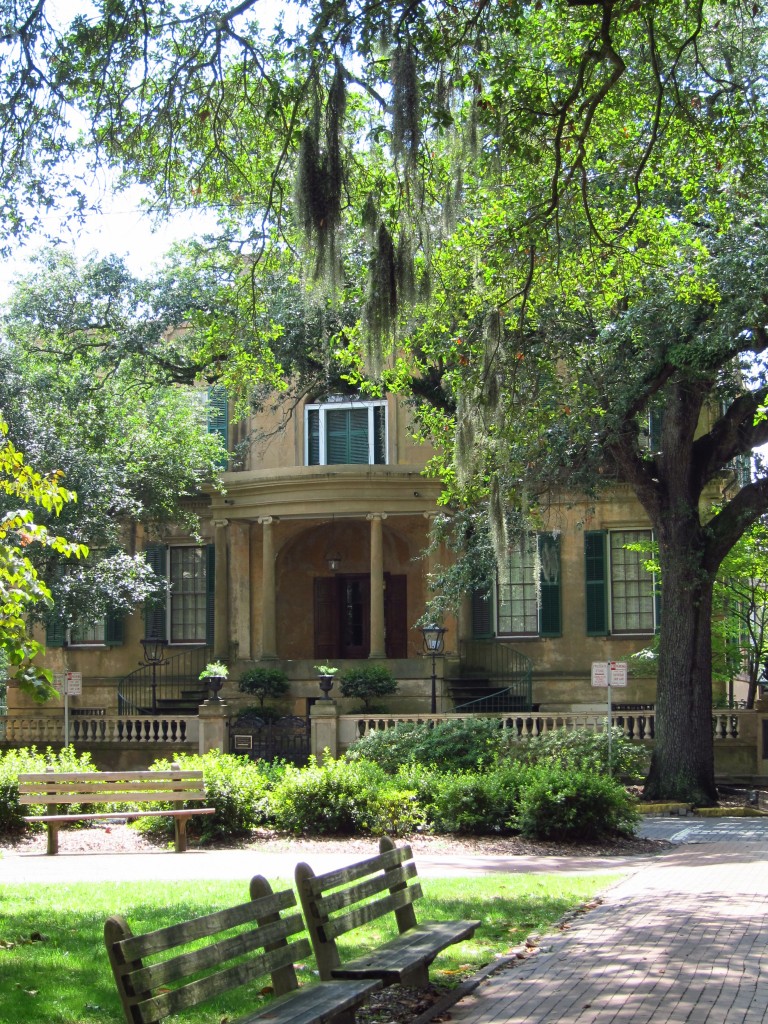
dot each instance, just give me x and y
(47, 730)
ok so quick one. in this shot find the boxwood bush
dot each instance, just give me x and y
(342, 797)
(477, 803)
(572, 804)
(235, 786)
(452, 745)
(582, 748)
(29, 759)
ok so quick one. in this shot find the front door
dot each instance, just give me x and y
(343, 616)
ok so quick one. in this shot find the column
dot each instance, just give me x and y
(221, 593)
(268, 595)
(240, 559)
(378, 647)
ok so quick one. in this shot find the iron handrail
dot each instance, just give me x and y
(141, 690)
(508, 670)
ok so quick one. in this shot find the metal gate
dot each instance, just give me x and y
(287, 738)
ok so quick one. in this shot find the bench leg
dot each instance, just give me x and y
(180, 828)
(53, 837)
(416, 977)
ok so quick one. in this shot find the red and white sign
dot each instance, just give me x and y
(609, 673)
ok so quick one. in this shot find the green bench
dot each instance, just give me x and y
(339, 901)
(129, 787)
(260, 946)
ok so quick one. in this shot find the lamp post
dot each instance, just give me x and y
(153, 658)
(433, 644)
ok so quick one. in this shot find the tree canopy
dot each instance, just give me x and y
(549, 216)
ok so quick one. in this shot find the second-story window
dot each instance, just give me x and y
(346, 433)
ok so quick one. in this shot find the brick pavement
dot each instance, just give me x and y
(681, 941)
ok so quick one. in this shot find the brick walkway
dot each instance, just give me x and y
(681, 940)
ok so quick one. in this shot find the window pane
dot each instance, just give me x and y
(518, 613)
(87, 634)
(632, 585)
(188, 595)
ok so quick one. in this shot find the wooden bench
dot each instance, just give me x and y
(130, 787)
(340, 901)
(227, 962)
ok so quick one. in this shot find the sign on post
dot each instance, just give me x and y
(608, 674)
(69, 684)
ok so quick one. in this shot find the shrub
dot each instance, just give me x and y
(582, 748)
(264, 684)
(28, 759)
(453, 745)
(477, 803)
(368, 683)
(570, 804)
(339, 797)
(235, 786)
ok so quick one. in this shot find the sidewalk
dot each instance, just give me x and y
(683, 939)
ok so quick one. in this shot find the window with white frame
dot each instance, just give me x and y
(342, 432)
(528, 589)
(187, 597)
(633, 586)
(87, 636)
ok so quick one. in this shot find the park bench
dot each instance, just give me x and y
(227, 962)
(339, 901)
(128, 787)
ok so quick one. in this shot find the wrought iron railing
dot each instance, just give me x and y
(149, 688)
(509, 674)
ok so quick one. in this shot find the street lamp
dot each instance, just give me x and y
(433, 644)
(153, 658)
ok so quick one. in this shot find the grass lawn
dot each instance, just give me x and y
(64, 978)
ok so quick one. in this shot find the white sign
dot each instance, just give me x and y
(68, 683)
(609, 673)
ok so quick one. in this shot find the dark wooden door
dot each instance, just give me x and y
(342, 616)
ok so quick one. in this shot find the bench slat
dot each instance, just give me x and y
(120, 815)
(167, 776)
(344, 923)
(186, 964)
(319, 884)
(137, 946)
(314, 1004)
(364, 890)
(417, 947)
(110, 797)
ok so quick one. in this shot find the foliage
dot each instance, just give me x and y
(368, 683)
(451, 745)
(477, 803)
(15, 762)
(214, 670)
(235, 786)
(584, 750)
(570, 804)
(264, 683)
(326, 670)
(340, 797)
(21, 589)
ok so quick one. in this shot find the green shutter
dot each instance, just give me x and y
(55, 633)
(218, 416)
(155, 625)
(313, 437)
(359, 451)
(210, 592)
(549, 607)
(113, 629)
(336, 437)
(482, 614)
(596, 567)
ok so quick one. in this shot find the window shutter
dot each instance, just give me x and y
(336, 437)
(396, 615)
(113, 629)
(482, 614)
(359, 451)
(155, 625)
(210, 592)
(326, 614)
(218, 416)
(313, 437)
(380, 435)
(55, 633)
(596, 582)
(549, 605)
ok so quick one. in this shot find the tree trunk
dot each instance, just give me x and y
(682, 765)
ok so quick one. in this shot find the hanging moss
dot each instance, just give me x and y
(381, 301)
(370, 217)
(405, 270)
(406, 128)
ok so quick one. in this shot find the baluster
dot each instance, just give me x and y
(734, 727)
(155, 730)
(183, 728)
(174, 730)
(147, 730)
